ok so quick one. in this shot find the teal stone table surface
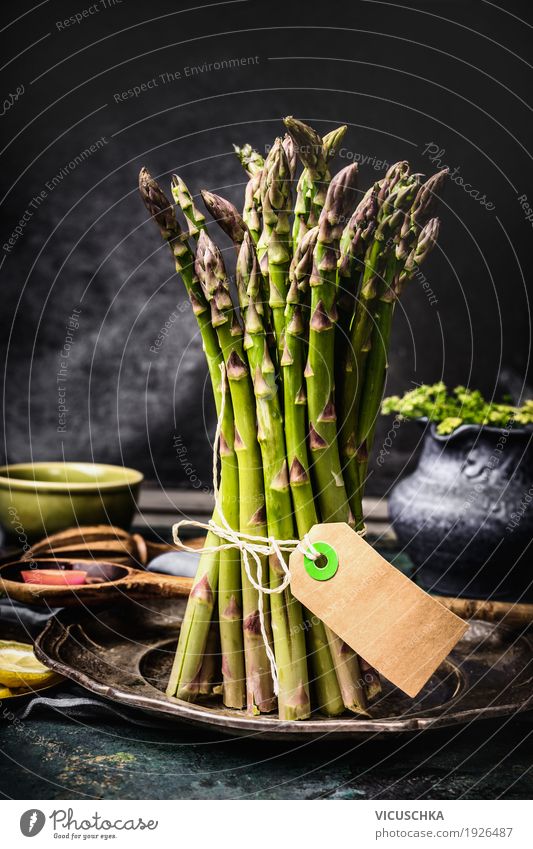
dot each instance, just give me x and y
(57, 758)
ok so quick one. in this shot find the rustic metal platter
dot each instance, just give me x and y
(125, 654)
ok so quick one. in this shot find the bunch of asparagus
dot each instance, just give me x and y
(302, 339)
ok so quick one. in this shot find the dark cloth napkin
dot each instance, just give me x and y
(23, 622)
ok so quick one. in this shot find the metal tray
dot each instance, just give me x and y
(125, 654)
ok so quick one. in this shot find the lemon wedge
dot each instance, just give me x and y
(20, 668)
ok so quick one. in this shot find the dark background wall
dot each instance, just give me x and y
(453, 75)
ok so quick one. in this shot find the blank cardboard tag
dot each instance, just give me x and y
(380, 613)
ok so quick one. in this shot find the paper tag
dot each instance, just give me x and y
(379, 612)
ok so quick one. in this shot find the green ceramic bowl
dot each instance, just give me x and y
(37, 499)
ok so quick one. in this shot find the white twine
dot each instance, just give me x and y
(249, 545)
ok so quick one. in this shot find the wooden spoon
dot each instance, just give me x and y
(107, 582)
(101, 542)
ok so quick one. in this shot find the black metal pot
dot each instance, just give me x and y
(465, 516)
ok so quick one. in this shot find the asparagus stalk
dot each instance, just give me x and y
(315, 177)
(229, 585)
(273, 249)
(395, 193)
(210, 669)
(252, 206)
(198, 615)
(184, 200)
(290, 153)
(325, 681)
(349, 674)
(250, 159)
(326, 688)
(419, 214)
(354, 241)
(375, 369)
(253, 163)
(230, 613)
(332, 140)
(424, 245)
(294, 387)
(320, 368)
(186, 673)
(210, 269)
(230, 220)
(403, 230)
(377, 362)
(310, 191)
(226, 216)
(286, 612)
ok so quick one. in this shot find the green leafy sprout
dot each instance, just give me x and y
(451, 408)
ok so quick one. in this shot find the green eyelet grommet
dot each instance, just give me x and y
(322, 573)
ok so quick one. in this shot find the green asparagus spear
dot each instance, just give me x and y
(196, 623)
(226, 215)
(377, 362)
(327, 675)
(273, 248)
(320, 369)
(287, 619)
(250, 159)
(184, 200)
(315, 154)
(210, 269)
(395, 194)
